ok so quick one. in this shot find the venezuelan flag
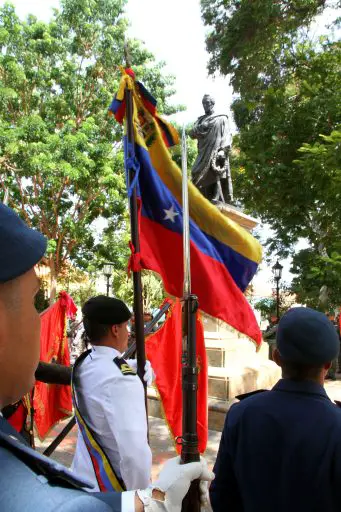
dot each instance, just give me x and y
(224, 256)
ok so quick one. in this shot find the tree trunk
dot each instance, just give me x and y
(53, 280)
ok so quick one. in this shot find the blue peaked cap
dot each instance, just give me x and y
(307, 337)
(20, 246)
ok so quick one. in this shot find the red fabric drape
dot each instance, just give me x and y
(53, 402)
(164, 350)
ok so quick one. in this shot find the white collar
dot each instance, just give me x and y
(106, 351)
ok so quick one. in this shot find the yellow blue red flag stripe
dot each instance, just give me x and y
(224, 256)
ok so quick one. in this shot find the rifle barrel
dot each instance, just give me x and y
(189, 452)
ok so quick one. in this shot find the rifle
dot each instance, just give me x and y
(148, 329)
(53, 373)
(189, 452)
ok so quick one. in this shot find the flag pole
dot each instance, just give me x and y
(134, 229)
(189, 452)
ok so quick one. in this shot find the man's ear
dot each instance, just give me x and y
(114, 330)
(277, 357)
(327, 366)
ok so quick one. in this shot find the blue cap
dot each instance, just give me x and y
(20, 246)
(307, 337)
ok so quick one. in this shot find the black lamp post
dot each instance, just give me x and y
(107, 271)
(277, 270)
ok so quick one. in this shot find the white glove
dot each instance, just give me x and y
(149, 375)
(174, 481)
(204, 495)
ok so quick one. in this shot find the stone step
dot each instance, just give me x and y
(222, 351)
(226, 383)
(217, 410)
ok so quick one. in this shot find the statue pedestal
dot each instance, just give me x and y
(234, 365)
(236, 214)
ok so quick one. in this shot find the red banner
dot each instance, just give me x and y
(53, 402)
(164, 351)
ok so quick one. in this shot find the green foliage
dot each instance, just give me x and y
(248, 38)
(289, 93)
(317, 282)
(266, 306)
(321, 266)
(60, 153)
(40, 301)
(192, 149)
(78, 284)
(153, 293)
(272, 131)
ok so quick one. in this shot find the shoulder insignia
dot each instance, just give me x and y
(123, 366)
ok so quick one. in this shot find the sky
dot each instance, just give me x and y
(181, 43)
(174, 32)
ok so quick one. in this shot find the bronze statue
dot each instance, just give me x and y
(211, 170)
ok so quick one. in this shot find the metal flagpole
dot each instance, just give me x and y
(189, 452)
(137, 281)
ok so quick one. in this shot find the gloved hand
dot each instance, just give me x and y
(204, 495)
(174, 482)
(149, 375)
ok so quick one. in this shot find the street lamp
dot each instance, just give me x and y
(277, 270)
(107, 271)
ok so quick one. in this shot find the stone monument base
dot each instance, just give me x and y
(235, 367)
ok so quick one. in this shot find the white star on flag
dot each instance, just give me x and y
(170, 214)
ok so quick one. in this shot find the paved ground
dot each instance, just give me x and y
(160, 441)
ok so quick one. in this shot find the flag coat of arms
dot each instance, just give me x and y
(224, 256)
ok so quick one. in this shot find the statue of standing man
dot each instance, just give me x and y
(211, 170)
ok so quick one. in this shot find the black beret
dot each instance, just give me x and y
(306, 336)
(106, 310)
(21, 246)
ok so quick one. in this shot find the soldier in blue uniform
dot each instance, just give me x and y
(280, 450)
(30, 482)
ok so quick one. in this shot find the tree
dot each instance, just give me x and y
(268, 180)
(61, 164)
(320, 266)
(267, 307)
(317, 281)
(289, 92)
(79, 284)
(192, 150)
(152, 289)
(247, 39)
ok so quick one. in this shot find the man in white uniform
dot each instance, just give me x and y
(110, 397)
(28, 480)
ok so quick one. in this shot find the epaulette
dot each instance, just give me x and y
(337, 403)
(124, 366)
(247, 395)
